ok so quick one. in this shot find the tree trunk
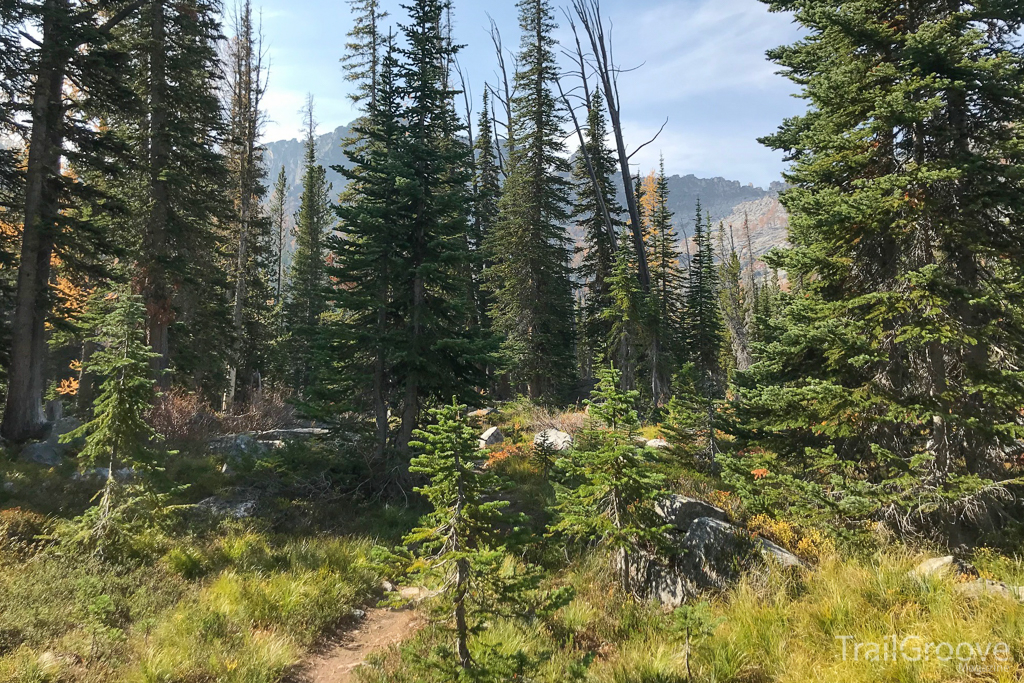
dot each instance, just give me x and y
(157, 290)
(23, 414)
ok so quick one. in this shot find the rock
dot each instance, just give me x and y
(219, 507)
(657, 444)
(481, 412)
(123, 474)
(553, 439)
(236, 445)
(51, 452)
(9, 487)
(43, 453)
(980, 587)
(709, 556)
(681, 511)
(491, 437)
(937, 566)
(281, 435)
(358, 613)
(387, 586)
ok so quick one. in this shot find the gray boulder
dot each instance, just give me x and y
(491, 437)
(981, 587)
(43, 453)
(51, 452)
(681, 511)
(554, 439)
(294, 433)
(710, 556)
(220, 507)
(657, 444)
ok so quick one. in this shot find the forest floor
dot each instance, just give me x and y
(379, 630)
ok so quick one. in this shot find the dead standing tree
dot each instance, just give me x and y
(601, 60)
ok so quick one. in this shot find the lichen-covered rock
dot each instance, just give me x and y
(709, 556)
(553, 439)
(680, 511)
(657, 444)
(935, 566)
(491, 437)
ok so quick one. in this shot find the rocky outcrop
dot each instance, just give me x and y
(224, 508)
(681, 511)
(553, 439)
(254, 444)
(657, 444)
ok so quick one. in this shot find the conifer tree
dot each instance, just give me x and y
(367, 262)
(487, 192)
(119, 434)
(363, 50)
(438, 355)
(894, 385)
(625, 316)
(598, 253)
(457, 540)
(612, 488)
(666, 329)
(250, 229)
(306, 295)
(530, 276)
(279, 230)
(70, 43)
(734, 306)
(705, 333)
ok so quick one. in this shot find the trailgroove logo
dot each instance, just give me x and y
(977, 657)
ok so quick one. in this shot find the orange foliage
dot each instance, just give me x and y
(68, 386)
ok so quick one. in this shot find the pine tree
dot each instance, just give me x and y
(893, 386)
(367, 261)
(705, 333)
(530, 276)
(363, 50)
(58, 212)
(486, 194)
(279, 230)
(625, 317)
(666, 329)
(438, 355)
(119, 434)
(306, 292)
(734, 306)
(612, 487)
(176, 67)
(457, 540)
(598, 253)
(250, 230)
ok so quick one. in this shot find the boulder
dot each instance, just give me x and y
(43, 453)
(481, 412)
(980, 587)
(657, 444)
(681, 511)
(51, 452)
(937, 566)
(236, 445)
(709, 556)
(553, 439)
(219, 507)
(491, 437)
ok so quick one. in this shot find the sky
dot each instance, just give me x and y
(701, 65)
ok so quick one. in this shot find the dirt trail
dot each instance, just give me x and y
(379, 629)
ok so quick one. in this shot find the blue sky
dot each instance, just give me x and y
(703, 68)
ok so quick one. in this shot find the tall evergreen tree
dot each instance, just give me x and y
(250, 228)
(530, 276)
(72, 43)
(486, 194)
(704, 321)
(666, 329)
(279, 230)
(895, 386)
(363, 50)
(438, 356)
(306, 294)
(367, 261)
(734, 304)
(598, 253)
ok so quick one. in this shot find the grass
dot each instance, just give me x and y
(769, 627)
(242, 607)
